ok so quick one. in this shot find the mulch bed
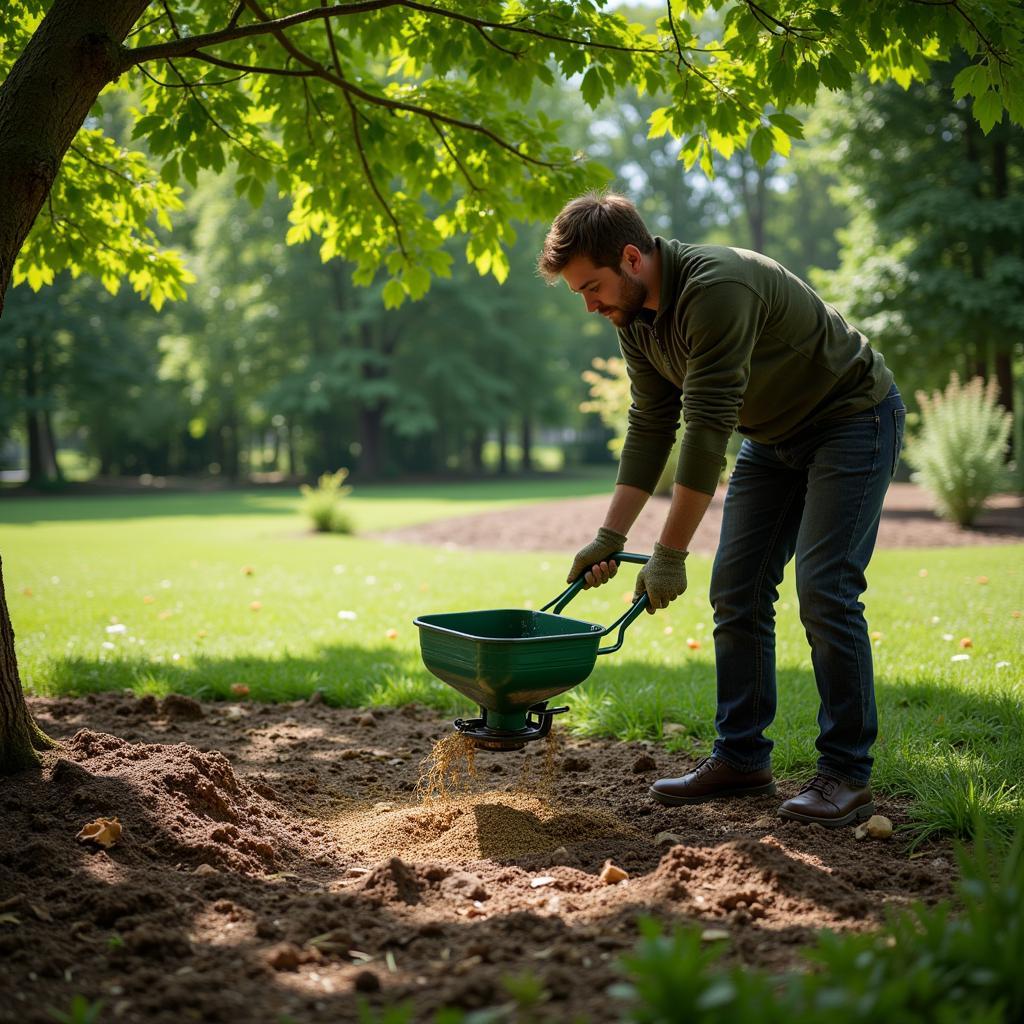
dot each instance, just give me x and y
(908, 521)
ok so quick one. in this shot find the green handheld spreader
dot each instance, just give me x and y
(511, 662)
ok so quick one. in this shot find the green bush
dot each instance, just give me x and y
(959, 453)
(927, 964)
(322, 504)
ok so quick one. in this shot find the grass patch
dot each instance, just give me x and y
(191, 594)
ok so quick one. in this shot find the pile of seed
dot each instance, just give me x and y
(494, 825)
(447, 770)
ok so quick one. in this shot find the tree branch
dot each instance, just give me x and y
(184, 47)
(385, 102)
(249, 68)
(451, 152)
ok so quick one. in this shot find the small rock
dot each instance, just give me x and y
(147, 705)
(878, 827)
(316, 697)
(462, 883)
(205, 869)
(366, 981)
(349, 755)
(668, 837)
(536, 883)
(178, 707)
(367, 721)
(644, 763)
(714, 935)
(383, 806)
(673, 729)
(284, 957)
(612, 874)
(561, 856)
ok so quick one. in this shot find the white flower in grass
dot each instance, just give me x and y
(118, 627)
(107, 645)
(960, 657)
(347, 616)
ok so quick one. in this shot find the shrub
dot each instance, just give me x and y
(959, 453)
(927, 964)
(322, 503)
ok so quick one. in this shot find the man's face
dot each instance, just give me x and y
(618, 296)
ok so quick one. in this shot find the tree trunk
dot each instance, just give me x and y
(20, 737)
(371, 427)
(503, 449)
(46, 98)
(526, 463)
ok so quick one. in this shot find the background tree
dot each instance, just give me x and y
(933, 261)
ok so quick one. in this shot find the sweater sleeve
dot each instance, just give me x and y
(719, 326)
(652, 421)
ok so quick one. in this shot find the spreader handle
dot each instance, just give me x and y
(620, 624)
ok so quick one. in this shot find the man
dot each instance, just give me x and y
(735, 341)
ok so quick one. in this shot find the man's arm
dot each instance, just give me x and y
(684, 516)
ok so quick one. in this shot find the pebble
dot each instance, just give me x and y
(205, 869)
(877, 827)
(366, 981)
(714, 935)
(612, 873)
(644, 763)
(672, 729)
(668, 837)
(367, 721)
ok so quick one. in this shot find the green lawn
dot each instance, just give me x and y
(152, 592)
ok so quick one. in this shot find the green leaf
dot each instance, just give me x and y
(394, 294)
(973, 79)
(988, 108)
(592, 88)
(761, 145)
(789, 124)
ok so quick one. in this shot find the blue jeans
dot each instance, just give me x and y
(818, 496)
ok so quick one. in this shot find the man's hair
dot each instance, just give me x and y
(598, 225)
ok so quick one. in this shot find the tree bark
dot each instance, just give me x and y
(526, 461)
(44, 101)
(20, 737)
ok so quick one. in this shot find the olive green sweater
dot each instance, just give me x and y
(738, 342)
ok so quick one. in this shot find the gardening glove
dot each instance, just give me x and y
(663, 577)
(607, 542)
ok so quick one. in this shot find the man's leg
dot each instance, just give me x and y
(759, 527)
(851, 465)
(761, 517)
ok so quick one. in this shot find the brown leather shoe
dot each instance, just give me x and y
(711, 779)
(829, 802)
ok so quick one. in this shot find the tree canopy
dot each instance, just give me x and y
(396, 125)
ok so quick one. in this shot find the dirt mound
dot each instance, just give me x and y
(176, 797)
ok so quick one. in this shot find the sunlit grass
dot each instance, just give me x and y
(199, 594)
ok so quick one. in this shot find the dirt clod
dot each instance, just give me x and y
(179, 708)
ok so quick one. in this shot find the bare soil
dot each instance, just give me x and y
(277, 863)
(908, 521)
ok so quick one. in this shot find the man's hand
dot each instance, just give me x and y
(593, 557)
(663, 577)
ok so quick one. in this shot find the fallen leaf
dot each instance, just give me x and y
(668, 631)
(255, 605)
(391, 634)
(982, 580)
(10, 919)
(240, 689)
(966, 641)
(247, 570)
(922, 573)
(201, 633)
(1015, 614)
(694, 645)
(148, 599)
(165, 615)
(103, 831)
(27, 591)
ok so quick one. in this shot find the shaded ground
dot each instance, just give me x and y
(908, 520)
(276, 862)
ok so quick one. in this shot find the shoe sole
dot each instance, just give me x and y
(858, 814)
(678, 801)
